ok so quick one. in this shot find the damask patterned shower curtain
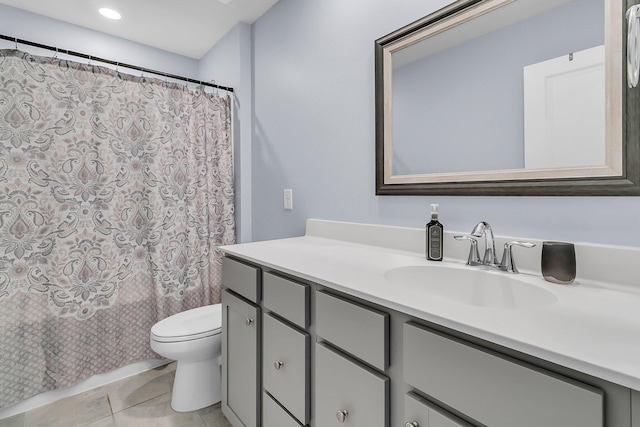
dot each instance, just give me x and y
(115, 192)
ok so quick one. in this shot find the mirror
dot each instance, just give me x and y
(507, 97)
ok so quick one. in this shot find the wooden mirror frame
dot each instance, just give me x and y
(625, 184)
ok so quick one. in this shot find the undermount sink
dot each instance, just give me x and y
(476, 287)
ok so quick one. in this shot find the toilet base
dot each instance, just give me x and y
(196, 385)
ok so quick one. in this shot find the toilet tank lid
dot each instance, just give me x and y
(195, 321)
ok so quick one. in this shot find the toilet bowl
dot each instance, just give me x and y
(193, 339)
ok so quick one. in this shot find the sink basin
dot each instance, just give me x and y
(470, 286)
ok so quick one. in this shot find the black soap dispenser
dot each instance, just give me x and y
(435, 233)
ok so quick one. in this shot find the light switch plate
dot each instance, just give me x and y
(288, 199)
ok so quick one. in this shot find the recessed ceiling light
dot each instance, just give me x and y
(110, 13)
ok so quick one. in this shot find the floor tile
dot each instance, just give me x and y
(157, 412)
(139, 388)
(15, 421)
(143, 400)
(105, 422)
(80, 410)
(213, 417)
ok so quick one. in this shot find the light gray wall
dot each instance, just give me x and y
(314, 132)
(229, 62)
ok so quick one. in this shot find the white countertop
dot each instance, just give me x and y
(592, 327)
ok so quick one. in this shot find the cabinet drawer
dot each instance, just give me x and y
(274, 416)
(241, 278)
(343, 385)
(494, 390)
(285, 366)
(286, 298)
(358, 330)
(426, 414)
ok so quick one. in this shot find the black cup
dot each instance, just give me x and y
(558, 262)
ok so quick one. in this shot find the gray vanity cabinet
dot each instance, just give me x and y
(241, 326)
(421, 413)
(298, 354)
(348, 393)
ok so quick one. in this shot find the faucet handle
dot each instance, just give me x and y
(474, 255)
(508, 263)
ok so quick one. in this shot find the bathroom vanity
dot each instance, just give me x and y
(343, 326)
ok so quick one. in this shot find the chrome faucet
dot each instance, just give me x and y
(483, 230)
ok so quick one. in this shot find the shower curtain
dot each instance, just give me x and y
(115, 193)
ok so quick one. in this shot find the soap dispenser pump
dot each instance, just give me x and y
(434, 236)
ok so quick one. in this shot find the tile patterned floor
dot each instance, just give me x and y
(143, 400)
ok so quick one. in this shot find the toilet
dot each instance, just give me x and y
(193, 339)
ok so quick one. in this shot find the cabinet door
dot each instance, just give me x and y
(285, 366)
(347, 393)
(420, 413)
(240, 361)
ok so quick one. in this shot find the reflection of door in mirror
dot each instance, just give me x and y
(462, 108)
(564, 111)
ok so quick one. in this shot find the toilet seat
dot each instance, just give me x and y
(189, 325)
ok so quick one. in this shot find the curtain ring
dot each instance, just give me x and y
(16, 40)
(55, 55)
(216, 88)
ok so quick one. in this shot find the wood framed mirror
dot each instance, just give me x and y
(508, 97)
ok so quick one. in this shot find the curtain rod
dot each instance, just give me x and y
(116, 63)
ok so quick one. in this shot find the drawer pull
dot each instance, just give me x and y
(342, 415)
(411, 424)
(278, 364)
(249, 321)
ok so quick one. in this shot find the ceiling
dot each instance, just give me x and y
(185, 27)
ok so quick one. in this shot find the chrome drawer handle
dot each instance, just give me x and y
(249, 321)
(411, 424)
(278, 365)
(342, 415)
